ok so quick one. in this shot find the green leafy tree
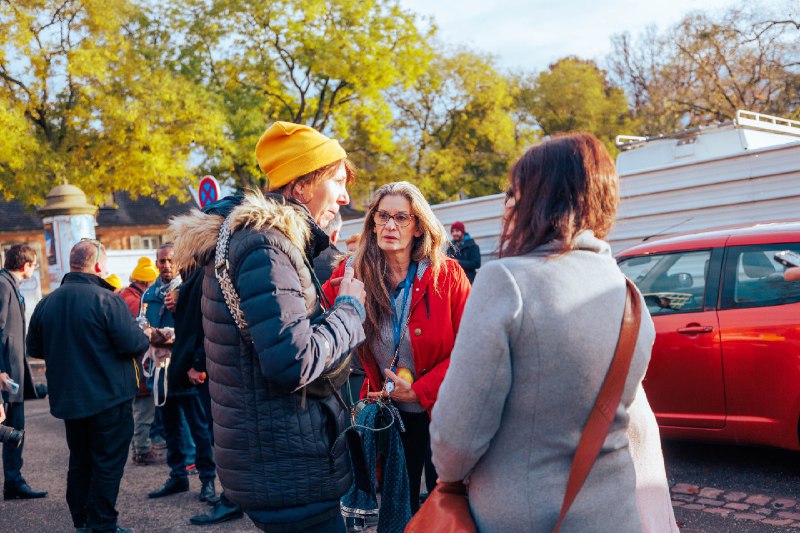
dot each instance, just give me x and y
(575, 95)
(90, 91)
(455, 128)
(324, 63)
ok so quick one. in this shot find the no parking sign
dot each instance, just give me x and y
(208, 191)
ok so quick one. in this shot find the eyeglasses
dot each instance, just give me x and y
(381, 218)
(98, 245)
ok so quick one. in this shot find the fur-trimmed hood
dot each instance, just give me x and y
(195, 235)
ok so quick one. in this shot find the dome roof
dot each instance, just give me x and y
(67, 199)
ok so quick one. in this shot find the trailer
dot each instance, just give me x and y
(740, 172)
(746, 171)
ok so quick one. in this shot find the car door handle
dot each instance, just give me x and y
(695, 330)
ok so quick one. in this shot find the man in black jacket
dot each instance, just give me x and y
(464, 250)
(183, 396)
(90, 342)
(20, 264)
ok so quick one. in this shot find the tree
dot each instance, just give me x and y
(455, 129)
(93, 97)
(575, 95)
(705, 68)
(324, 63)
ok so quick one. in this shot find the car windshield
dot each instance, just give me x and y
(670, 283)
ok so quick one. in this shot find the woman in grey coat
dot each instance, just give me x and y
(537, 338)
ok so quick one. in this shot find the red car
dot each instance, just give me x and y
(726, 360)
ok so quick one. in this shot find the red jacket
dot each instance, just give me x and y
(435, 317)
(133, 297)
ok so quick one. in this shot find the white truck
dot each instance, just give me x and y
(744, 171)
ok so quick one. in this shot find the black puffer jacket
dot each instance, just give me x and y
(275, 457)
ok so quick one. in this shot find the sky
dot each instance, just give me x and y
(531, 34)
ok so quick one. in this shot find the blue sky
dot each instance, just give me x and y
(530, 34)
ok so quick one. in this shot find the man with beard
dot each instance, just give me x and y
(464, 250)
(182, 398)
(20, 264)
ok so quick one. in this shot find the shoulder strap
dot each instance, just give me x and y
(222, 270)
(605, 407)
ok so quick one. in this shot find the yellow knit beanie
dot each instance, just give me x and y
(287, 151)
(114, 281)
(145, 270)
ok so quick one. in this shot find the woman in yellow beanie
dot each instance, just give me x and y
(275, 367)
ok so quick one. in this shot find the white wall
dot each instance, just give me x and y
(122, 262)
(754, 186)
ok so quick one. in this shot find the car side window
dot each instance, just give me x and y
(670, 283)
(754, 278)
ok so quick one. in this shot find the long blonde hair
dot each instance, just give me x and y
(370, 263)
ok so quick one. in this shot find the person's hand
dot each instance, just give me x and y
(402, 389)
(195, 377)
(4, 378)
(792, 274)
(148, 331)
(171, 300)
(350, 286)
(2, 413)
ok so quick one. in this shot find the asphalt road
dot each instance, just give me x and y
(45, 468)
(710, 478)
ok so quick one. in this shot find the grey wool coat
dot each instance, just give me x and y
(538, 335)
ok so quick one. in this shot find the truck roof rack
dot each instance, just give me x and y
(744, 118)
(767, 122)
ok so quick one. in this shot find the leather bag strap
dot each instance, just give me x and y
(605, 407)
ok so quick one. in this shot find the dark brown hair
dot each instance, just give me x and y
(17, 256)
(561, 187)
(316, 176)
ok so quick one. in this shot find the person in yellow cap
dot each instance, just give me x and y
(142, 450)
(115, 282)
(274, 370)
(142, 277)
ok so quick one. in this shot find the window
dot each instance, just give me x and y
(670, 283)
(146, 242)
(753, 278)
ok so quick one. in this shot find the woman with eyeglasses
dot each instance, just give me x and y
(415, 297)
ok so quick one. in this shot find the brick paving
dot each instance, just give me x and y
(737, 506)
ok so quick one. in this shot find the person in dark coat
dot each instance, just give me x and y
(464, 250)
(330, 257)
(182, 400)
(90, 342)
(188, 369)
(275, 423)
(20, 264)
